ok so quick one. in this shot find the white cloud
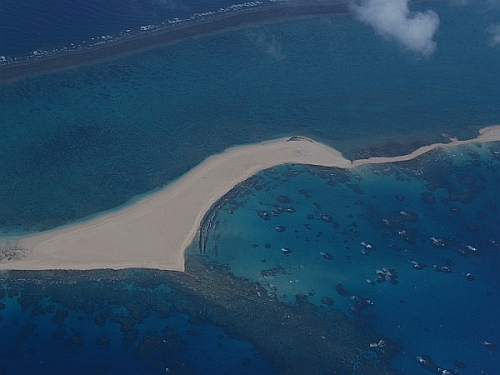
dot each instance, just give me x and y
(268, 44)
(494, 31)
(393, 19)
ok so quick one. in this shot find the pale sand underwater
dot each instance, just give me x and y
(156, 231)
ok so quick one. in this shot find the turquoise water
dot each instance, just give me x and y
(92, 138)
(77, 142)
(398, 209)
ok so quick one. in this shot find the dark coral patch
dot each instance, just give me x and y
(428, 197)
(283, 199)
(327, 301)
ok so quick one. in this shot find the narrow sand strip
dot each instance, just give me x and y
(154, 232)
(488, 134)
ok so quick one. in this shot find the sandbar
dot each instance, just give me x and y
(155, 231)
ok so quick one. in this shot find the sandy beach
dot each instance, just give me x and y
(155, 231)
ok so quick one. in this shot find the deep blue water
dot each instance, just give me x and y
(32, 25)
(109, 325)
(81, 141)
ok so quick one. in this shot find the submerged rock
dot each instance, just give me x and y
(326, 218)
(283, 199)
(341, 290)
(264, 215)
(416, 265)
(470, 277)
(286, 250)
(360, 304)
(489, 345)
(387, 274)
(326, 255)
(327, 301)
(428, 197)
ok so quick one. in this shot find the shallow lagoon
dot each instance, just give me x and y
(432, 222)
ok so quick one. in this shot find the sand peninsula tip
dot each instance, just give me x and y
(155, 231)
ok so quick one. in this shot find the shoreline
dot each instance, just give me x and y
(211, 25)
(155, 231)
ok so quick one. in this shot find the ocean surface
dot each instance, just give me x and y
(381, 269)
(30, 26)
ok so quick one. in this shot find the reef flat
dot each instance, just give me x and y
(294, 339)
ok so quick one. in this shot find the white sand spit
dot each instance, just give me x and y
(155, 231)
